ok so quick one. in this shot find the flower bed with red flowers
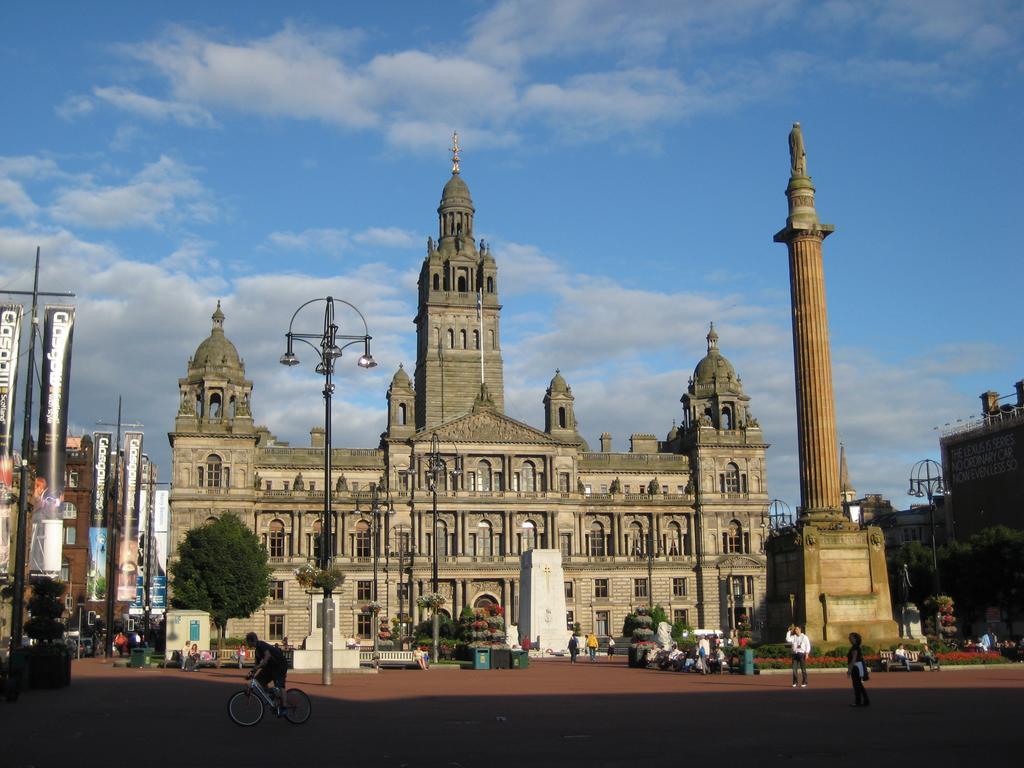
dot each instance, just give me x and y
(956, 658)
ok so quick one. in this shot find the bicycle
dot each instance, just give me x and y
(246, 707)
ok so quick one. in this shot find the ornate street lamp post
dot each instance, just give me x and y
(378, 508)
(436, 468)
(325, 345)
(926, 480)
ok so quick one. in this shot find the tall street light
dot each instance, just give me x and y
(402, 538)
(926, 480)
(379, 507)
(325, 345)
(436, 468)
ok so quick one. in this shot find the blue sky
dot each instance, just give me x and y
(627, 162)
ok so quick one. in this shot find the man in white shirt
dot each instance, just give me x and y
(801, 646)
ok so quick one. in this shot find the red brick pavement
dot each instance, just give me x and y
(552, 714)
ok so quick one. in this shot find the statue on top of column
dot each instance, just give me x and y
(797, 155)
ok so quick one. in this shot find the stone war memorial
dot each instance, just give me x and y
(542, 610)
(826, 574)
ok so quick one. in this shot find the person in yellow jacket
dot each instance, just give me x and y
(592, 646)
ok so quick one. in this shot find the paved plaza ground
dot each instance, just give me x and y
(552, 714)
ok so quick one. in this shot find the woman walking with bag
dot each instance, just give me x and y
(857, 669)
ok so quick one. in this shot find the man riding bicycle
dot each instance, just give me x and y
(271, 666)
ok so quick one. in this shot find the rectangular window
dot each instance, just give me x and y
(364, 625)
(568, 590)
(679, 587)
(72, 479)
(664, 489)
(70, 535)
(680, 615)
(287, 485)
(69, 510)
(680, 489)
(601, 622)
(600, 587)
(312, 485)
(626, 489)
(275, 626)
(570, 619)
(563, 482)
(587, 489)
(364, 590)
(403, 592)
(355, 486)
(640, 588)
(268, 485)
(604, 488)
(277, 590)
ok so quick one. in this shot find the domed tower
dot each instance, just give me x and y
(215, 395)
(559, 419)
(715, 397)
(401, 405)
(457, 324)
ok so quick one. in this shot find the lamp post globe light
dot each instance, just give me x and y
(926, 481)
(325, 344)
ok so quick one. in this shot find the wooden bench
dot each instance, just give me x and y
(889, 661)
(393, 659)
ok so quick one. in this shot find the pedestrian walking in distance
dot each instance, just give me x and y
(801, 647)
(857, 669)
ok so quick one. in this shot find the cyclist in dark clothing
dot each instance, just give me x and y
(271, 665)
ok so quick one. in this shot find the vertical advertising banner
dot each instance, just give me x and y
(160, 539)
(10, 334)
(96, 582)
(48, 493)
(139, 603)
(128, 554)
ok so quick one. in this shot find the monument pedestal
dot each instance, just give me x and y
(311, 657)
(542, 599)
(829, 576)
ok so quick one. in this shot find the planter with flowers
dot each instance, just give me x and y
(642, 640)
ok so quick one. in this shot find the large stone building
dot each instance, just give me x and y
(695, 502)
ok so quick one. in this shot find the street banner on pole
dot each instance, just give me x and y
(128, 556)
(161, 533)
(96, 581)
(48, 493)
(137, 608)
(10, 335)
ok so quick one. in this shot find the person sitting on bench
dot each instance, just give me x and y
(901, 655)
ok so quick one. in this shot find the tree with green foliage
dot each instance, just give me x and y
(46, 609)
(986, 570)
(918, 559)
(221, 569)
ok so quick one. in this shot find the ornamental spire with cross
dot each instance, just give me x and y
(455, 152)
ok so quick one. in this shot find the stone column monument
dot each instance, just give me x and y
(829, 574)
(542, 600)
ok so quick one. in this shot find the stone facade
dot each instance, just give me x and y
(699, 495)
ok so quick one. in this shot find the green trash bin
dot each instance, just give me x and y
(748, 661)
(481, 658)
(137, 659)
(523, 659)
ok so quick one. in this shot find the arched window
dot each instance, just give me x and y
(529, 477)
(211, 520)
(732, 539)
(674, 540)
(213, 471)
(485, 537)
(476, 339)
(490, 340)
(437, 282)
(637, 540)
(275, 538)
(314, 541)
(451, 339)
(483, 475)
(596, 540)
(462, 284)
(462, 338)
(529, 536)
(215, 404)
(732, 478)
(199, 405)
(490, 285)
(442, 538)
(362, 539)
(561, 417)
(232, 407)
(401, 414)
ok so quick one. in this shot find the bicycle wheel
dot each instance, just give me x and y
(298, 705)
(245, 708)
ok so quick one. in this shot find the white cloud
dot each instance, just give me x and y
(75, 106)
(124, 99)
(162, 192)
(386, 237)
(323, 240)
(14, 198)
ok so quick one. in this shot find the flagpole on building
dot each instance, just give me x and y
(18, 599)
